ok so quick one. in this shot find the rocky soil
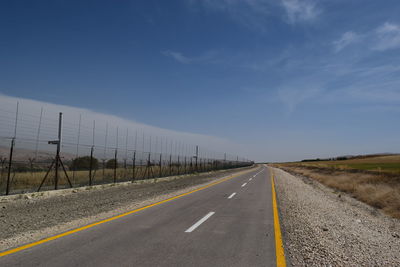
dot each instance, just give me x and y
(324, 227)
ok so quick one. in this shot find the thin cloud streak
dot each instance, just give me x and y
(388, 37)
(291, 97)
(383, 38)
(347, 39)
(177, 56)
(255, 14)
(300, 10)
(207, 57)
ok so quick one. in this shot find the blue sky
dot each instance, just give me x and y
(286, 79)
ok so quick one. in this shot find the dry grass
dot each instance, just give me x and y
(378, 189)
(381, 164)
(30, 181)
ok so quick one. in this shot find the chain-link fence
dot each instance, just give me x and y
(45, 151)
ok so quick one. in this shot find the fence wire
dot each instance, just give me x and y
(90, 153)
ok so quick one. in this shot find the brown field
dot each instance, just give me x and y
(381, 164)
(373, 180)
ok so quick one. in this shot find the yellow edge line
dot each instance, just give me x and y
(279, 250)
(11, 251)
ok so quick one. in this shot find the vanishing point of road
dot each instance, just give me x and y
(231, 222)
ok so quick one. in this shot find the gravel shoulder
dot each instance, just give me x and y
(324, 227)
(30, 217)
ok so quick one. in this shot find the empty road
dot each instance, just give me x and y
(228, 224)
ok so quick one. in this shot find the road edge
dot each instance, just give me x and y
(279, 249)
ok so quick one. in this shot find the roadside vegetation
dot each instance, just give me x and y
(81, 171)
(373, 180)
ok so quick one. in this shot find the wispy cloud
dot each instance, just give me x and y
(357, 80)
(232, 6)
(206, 57)
(291, 97)
(382, 38)
(347, 38)
(250, 13)
(255, 14)
(301, 10)
(387, 37)
(177, 56)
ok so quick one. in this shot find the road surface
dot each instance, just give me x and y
(227, 224)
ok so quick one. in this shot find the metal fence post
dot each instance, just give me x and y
(91, 155)
(134, 165)
(9, 166)
(170, 165)
(197, 156)
(148, 166)
(125, 168)
(115, 166)
(91, 166)
(178, 165)
(160, 165)
(58, 152)
(185, 171)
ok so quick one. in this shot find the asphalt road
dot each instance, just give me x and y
(228, 224)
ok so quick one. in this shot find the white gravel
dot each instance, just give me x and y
(323, 227)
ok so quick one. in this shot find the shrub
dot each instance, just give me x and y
(111, 164)
(83, 163)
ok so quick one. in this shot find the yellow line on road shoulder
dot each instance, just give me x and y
(11, 251)
(279, 250)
